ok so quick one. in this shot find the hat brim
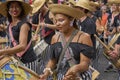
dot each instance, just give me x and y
(85, 5)
(113, 2)
(3, 7)
(37, 7)
(67, 10)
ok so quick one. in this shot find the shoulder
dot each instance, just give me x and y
(55, 38)
(85, 38)
(24, 25)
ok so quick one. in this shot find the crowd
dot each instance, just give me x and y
(57, 40)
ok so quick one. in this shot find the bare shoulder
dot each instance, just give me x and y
(55, 38)
(85, 38)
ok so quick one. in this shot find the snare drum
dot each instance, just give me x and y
(11, 69)
(40, 47)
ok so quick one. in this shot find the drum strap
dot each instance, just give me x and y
(15, 43)
(63, 53)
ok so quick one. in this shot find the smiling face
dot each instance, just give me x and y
(62, 22)
(15, 9)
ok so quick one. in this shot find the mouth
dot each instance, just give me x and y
(15, 12)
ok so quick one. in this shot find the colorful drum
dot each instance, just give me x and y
(12, 69)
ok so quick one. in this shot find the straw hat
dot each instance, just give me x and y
(3, 7)
(37, 5)
(67, 10)
(71, 1)
(94, 4)
(84, 4)
(113, 1)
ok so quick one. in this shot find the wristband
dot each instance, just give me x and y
(48, 69)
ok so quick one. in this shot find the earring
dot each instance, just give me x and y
(71, 23)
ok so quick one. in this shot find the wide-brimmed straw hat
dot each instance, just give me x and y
(71, 1)
(37, 5)
(94, 4)
(3, 7)
(84, 4)
(113, 2)
(67, 10)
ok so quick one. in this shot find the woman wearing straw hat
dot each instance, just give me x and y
(19, 30)
(110, 27)
(79, 50)
(44, 20)
(45, 27)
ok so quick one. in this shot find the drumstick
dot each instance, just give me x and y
(28, 70)
(104, 45)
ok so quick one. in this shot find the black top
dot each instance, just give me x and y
(29, 55)
(116, 21)
(88, 26)
(52, 32)
(48, 21)
(77, 48)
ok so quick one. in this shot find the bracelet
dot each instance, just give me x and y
(48, 69)
(46, 25)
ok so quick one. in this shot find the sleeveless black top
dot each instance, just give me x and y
(29, 55)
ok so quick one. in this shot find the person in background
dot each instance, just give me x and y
(80, 49)
(16, 12)
(86, 24)
(110, 28)
(43, 19)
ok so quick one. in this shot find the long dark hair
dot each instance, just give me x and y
(22, 14)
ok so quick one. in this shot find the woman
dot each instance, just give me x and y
(16, 12)
(80, 46)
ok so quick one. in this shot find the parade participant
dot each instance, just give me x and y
(43, 20)
(79, 50)
(19, 31)
(41, 11)
(110, 28)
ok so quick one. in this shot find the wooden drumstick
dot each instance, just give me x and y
(104, 45)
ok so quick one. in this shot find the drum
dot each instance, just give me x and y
(40, 47)
(12, 69)
(3, 42)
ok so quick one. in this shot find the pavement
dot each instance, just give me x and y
(100, 64)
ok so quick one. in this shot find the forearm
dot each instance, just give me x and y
(49, 67)
(83, 66)
(13, 50)
(51, 26)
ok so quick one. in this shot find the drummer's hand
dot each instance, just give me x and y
(113, 54)
(71, 74)
(43, 77)
(35, 37)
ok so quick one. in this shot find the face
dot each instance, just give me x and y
(14, 9)
(62, 22)
(114, 7)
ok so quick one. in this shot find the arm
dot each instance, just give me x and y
(84, 61)
(22, 41)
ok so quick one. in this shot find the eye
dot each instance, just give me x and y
(61, 20)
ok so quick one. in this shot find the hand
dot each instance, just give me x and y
(2, 27)
(43, 77)
(71, 74)
(42, 25)
(113, 54)
(35, 38)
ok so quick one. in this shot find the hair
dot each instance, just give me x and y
(22, 14)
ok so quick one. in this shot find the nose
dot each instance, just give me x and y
(57, 23)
